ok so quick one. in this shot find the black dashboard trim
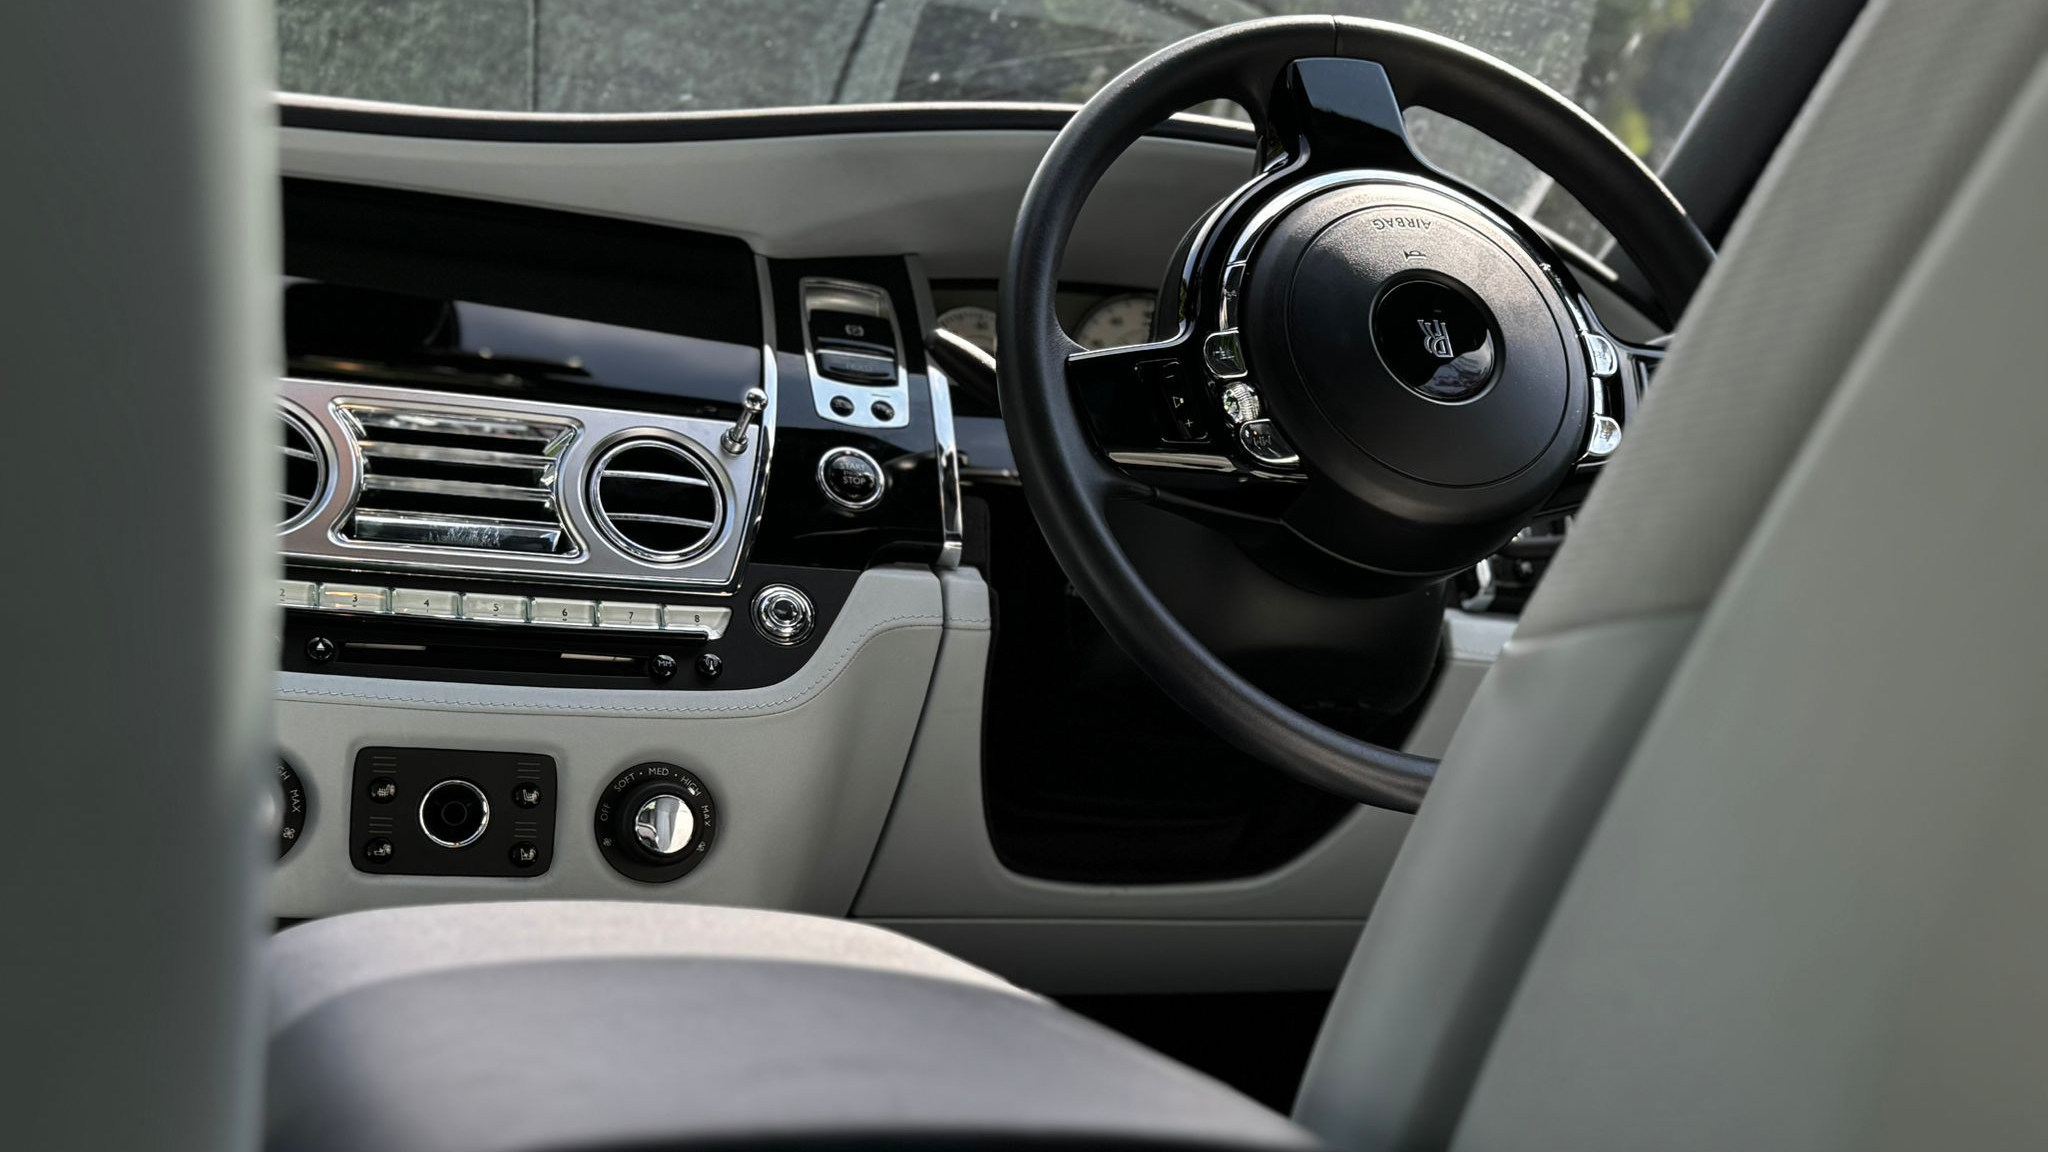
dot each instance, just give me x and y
(329, 114)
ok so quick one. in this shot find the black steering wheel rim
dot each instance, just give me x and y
(1070, 486)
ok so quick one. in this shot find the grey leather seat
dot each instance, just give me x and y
(613, 1024)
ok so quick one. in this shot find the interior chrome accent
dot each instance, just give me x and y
(816, 292)
(825, 460)
(460, 792)
(304, 468)
(497, 486)
(784, 614)
(734, 442)
(417, 485)
(664, 825)
(952, 516)
(662, 505)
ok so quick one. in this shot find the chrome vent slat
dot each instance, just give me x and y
(652, 518)
(472, 488)
(441, 454)
(531, 537)
(304, 465)
(655, 500)
(478, 425)
(656, 477)
(447, 478)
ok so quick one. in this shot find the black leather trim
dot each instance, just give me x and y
(372, 118)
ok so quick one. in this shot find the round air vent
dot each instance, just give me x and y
(656, 500)
(305, 470)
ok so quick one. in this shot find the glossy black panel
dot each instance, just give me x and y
(800, 525)
(481, 297)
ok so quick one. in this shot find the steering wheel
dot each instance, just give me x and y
(1376, 376)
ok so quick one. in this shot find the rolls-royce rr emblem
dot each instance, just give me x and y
(1436, 338)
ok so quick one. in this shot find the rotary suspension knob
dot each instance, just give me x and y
(655, 821)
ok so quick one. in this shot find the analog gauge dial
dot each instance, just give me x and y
(972, 323)
(1117, 321)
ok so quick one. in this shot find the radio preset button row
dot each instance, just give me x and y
(695, 621)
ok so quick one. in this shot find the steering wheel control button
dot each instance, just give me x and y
(1604, 438)
(1436, 339)
(1224, 355)
(783, 614)
(1600, 351)
(624, 614)
(451, 812)
(851, 478)
(1241, 403)
(1262, 441)
(654, 822)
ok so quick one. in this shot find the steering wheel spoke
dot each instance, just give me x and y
(1333, 112)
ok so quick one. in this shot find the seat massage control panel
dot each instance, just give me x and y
(458, 812)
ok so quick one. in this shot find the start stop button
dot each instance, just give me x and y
(850, 478)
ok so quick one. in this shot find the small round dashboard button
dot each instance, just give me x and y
(851, 478)
(783, 614)
(842, 406)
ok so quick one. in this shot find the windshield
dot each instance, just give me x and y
(1640, 66)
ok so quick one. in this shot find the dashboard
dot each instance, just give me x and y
(631, 548)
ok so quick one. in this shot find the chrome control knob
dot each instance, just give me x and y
(655, 822)
(664, 824)
(784, 614)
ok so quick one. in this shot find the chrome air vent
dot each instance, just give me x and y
(305, 470)
(655, 499)
(447, 478)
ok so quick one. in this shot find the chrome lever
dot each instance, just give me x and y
(734, 439)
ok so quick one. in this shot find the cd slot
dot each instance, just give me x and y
(451, 656)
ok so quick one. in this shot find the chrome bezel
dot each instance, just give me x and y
(863, 396)
(481, 827)
(881, 479)
(788, 637)
(654, 438)
(323, 455)
(596, 559)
